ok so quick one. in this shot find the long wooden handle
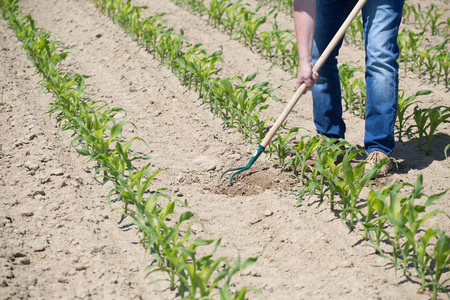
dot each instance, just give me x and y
(337, 37)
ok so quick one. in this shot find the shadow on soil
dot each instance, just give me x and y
(414, 159)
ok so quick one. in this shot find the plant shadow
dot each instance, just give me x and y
(413, 159)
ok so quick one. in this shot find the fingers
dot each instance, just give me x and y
(309, 82)
(307, 76)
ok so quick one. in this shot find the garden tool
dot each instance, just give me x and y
(300, 91)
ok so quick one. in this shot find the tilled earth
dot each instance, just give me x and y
(59, 238)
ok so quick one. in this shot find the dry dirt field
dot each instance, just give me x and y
(59, 238)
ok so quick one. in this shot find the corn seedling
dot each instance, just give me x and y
(216, 11)
(356, 32)
(408, 41)
(432, 19)
(346, 72)
(410, 222)
(280, 145)
(234, 15)
(355, 179)
(304, 150)
(251, 23)
(441, 254)
(281, 5)
(444, 67)
(427, 120)
(329, 167)
(402, 118)
(432, 60)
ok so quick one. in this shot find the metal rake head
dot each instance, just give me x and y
(242, 169)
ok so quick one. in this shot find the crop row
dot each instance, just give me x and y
(279, 45)
(339, 183)
(426, 120)
(97, 137)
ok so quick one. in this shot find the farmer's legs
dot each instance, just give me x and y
(327, 105)
(381, 20)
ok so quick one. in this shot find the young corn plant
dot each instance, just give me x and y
(378, 203)
(346, 72)
(427, 121)
(402, 117)
(284, 6)
(241, 105)
(428, 58)
(444, 67)
(267, 42)
(433, 14)
(304, 150)
(408, 11)
(202, 67)
(234, 15)
(408, 41)
(356, 32)
(251, 23)
(410, 222)
(190, 274)
(441, 253)
(250, 106)
(216, 10)
(361, 97)
(355, 179)
(280, 146)
(329, 165)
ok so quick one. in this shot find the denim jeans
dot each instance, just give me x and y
(381, 20)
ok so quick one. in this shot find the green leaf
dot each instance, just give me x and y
(83, 152)
(185, 216)
(227, 86)
(117, 129)
(202, 242)
(435, 197)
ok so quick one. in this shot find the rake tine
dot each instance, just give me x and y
(242, 169)
(230, 170)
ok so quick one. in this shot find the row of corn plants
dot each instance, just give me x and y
(390, 216)
(284, 6)
(429, 18)
(280, 46)
(97, 137)
(419, 122)
(237, 101)
(341, 184)
(243, 23)
(431, 61)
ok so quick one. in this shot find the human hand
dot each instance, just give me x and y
(306, 75)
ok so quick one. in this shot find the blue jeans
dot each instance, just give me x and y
(381, 20)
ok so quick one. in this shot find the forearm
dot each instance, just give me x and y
(304, 22)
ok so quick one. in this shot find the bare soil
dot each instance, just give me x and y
(59, 238)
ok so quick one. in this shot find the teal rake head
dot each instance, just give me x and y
(242, 169)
